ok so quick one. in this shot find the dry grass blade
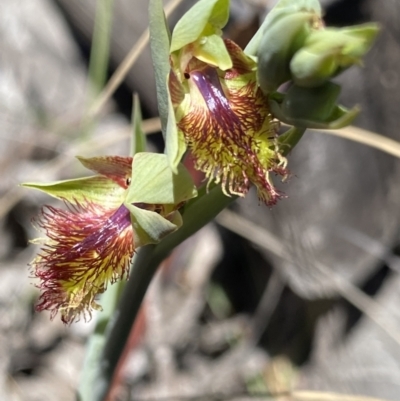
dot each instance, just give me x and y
(292, 396)
(369, 138)
(323, 396)
(123, 69)
(347, 290)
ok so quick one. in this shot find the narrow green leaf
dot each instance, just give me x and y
(96, 189)
(99, 53)
(211, 14)
(154, 182)
(159, 45)
(138, 136)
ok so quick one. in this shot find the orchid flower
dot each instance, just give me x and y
(220, 111)
(107, 217)
(225, 105)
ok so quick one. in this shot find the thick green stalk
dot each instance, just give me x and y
(97, 341)
(197, 214)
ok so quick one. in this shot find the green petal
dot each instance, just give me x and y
(96, 189)
(159, 44)
(138, 136)
(150, 227)
(205, 16)
(153, 181)
(212, 50)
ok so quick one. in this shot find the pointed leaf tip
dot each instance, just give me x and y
(96, 189)
(138, 143)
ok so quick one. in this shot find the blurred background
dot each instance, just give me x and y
(301, 297)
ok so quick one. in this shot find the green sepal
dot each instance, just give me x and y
(138, 143)
(328, 52)
(175, 144)
(212, 50)
(312, 107)
(150, 227)
(96, 189)
(153, 181)
(283, 7)
(205, 17)
(160, 39)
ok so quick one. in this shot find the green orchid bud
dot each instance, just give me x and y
(328, 52)
(312, 107)
(282, 38)
(285, 6)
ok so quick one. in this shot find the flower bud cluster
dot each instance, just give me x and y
(296, 47)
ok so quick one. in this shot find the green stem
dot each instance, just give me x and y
(290, 139)
(197, 214)
(97, 341)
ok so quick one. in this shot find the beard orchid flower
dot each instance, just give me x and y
(90, 242)
(225, 104)
(220, 112)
